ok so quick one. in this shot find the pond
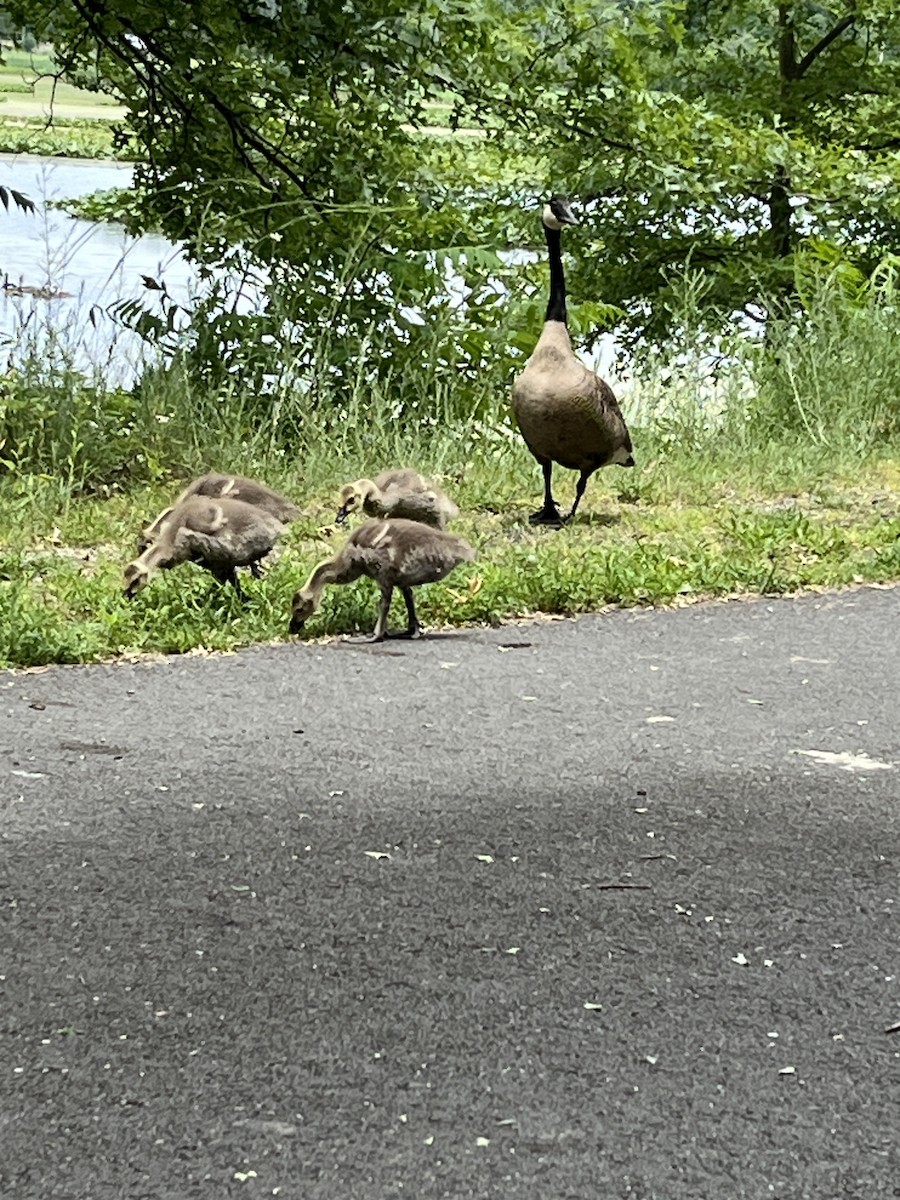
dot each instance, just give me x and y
(97, 263)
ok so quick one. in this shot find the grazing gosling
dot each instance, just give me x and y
(396, 553)
(233, 487)
(565, 412)
(401, 493)
(219, 535)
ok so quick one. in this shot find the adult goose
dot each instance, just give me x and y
(396, 554)
(233, 487)
(219, 535)
(565, 412)
(399, 493)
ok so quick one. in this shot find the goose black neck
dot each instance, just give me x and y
(556, 305)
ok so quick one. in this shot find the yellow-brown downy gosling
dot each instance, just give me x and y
(396, 554)
(400, 493)
(219, 535)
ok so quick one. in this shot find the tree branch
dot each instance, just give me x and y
(821, 46)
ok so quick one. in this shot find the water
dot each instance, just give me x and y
(97, 262)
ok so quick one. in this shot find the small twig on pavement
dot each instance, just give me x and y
(623, 887)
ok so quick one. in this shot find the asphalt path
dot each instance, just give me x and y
(574, 909)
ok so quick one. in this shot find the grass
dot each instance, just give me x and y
(672, 530)
(40, 115)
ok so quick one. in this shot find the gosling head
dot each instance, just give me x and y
(302, 608)
(352, 496)
(558, 212)
(136, 577)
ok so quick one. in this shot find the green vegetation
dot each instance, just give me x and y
(730, 137)
(66, 137)
(679, 528)
(783, 480)
(109, 204)
(739, 203)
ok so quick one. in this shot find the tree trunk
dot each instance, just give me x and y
(780, 193)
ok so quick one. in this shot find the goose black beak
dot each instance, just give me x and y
(296, 625)
(342, 515)
(629, 461)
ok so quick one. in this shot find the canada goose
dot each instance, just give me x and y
(566, 413)
(234, 487)
(396, 553)
(220, 535)
(400, 493)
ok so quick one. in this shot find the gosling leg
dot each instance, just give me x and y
(413, 628)
(227, 575)
(383, 610)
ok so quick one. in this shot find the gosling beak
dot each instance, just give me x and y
(342, 515)
(296, 625)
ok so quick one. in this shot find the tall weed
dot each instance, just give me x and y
(831, 377)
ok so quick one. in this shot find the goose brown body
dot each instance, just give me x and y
(232, 487)
(400, 493)
(565, 412)
(219, 535)
(394, 553)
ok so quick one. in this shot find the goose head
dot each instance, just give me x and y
(558, 212)
(352, 496)
(302, 608)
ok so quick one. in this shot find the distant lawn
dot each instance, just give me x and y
(27, 89)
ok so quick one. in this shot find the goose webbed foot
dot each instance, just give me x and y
(412, 633)
(548, 516)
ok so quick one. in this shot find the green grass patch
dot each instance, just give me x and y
(671, 531)
(64, 138)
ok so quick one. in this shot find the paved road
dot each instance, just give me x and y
(574, 909)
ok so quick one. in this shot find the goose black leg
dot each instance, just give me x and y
(579, 492)
(549, 514)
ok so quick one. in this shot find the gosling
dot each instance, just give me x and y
(402, 493)
(219, 535)
(396, 553)
(233, 487)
